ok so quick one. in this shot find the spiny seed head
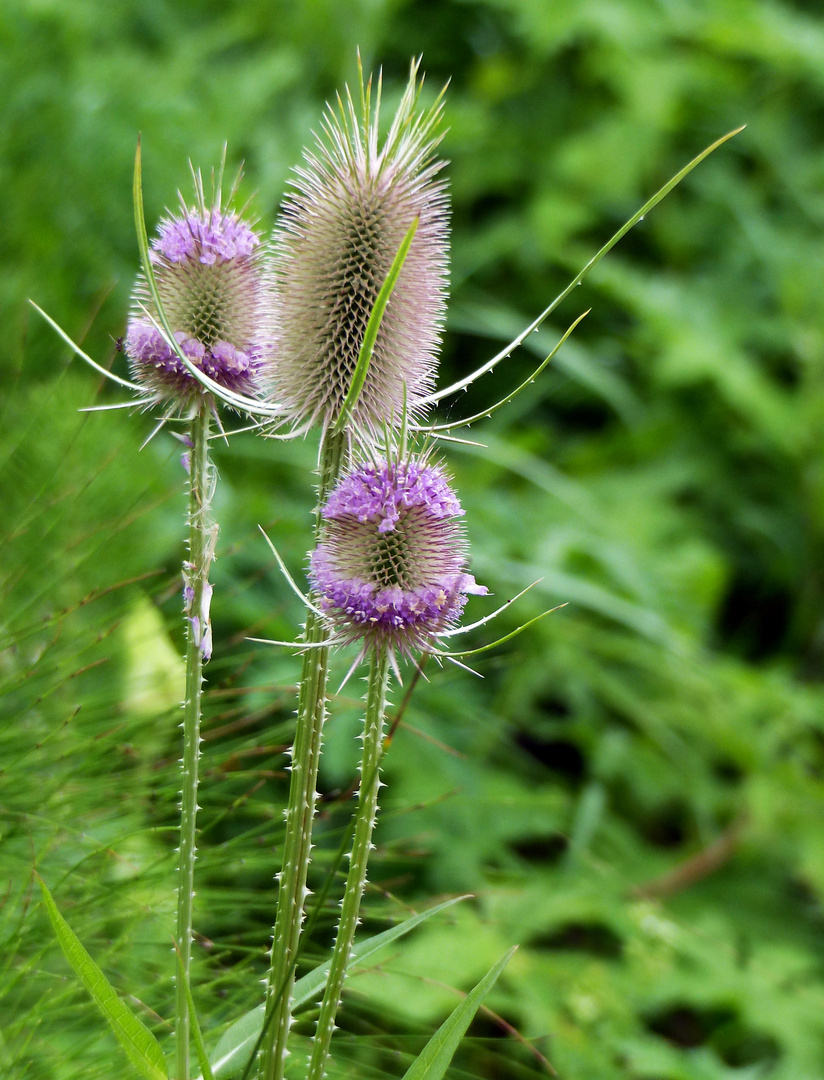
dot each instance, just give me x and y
(350, 206)
(390, 566)
(215, 284)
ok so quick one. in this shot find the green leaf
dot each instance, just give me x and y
(435, 1057)
(142, 236)
(237, 1043)
(370, 335)
(142, 1048)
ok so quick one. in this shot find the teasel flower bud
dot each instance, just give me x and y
(390, 565)
(351, 205)
(214, 278)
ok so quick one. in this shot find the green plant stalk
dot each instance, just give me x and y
(373, 728)
(202, 535)
(300, 811)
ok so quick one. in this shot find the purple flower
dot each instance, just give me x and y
(213, 276)
(216, 237)
(351, 204)
(390, 567)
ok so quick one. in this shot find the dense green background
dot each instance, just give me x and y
(634, 792)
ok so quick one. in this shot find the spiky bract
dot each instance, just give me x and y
(215, 284)
(390, 567)
(350, 206)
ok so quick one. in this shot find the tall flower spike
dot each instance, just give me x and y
(215, 284)
(390, 566)
(350, 206)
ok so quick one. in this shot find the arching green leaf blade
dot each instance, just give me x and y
(142, 1048)
(370, 335)
(435, 1057)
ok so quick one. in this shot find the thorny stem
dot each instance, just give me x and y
(301, 808)
(356, 878)
(196, 596)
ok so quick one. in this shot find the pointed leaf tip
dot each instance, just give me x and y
(436, 1056)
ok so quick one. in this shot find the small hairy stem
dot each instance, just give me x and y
(362, 845)
(196, 596)
(300, 812)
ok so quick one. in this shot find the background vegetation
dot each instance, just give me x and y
(634, 792)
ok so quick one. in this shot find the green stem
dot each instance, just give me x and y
(300, 812)
(356, 878)
(202, 535)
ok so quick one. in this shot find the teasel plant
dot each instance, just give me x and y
(389, 575)
(205, 293)
(389, 569)
(391, 619)
(207, 279)
(357, 290)
(357, 356)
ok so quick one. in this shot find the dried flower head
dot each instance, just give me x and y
(390, 566)
(350, 206)
(215, 285)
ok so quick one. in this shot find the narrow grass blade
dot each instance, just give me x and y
(370, 335)
(236, 1044)
(197, 1035)
(142, 1048)
(435, 1057)
(5, 1057)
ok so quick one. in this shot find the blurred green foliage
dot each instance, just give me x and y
(634, 792)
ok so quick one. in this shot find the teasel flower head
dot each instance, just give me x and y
(351, 204)
(214, 278)
(390, 565)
